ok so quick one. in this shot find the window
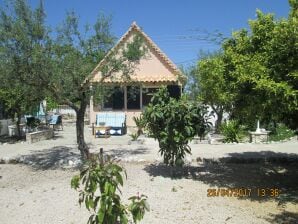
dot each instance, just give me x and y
(147, 94)
(174, 91)
(133, 97)
(115, 100)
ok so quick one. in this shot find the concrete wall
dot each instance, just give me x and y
(39, 135)
(4, 125)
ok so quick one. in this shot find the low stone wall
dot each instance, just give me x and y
(39, 135)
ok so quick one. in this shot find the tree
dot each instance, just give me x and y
(99, 187)
(255, 75)
(263, 65)
(215, 88)
(22, 37)
(173, 122)
(75, 55)
(59, 68)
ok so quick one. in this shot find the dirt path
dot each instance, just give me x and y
(44, 196)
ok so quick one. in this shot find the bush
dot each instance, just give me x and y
(232, 131)
(139, 121)
(281, 132)
(134, 136)
(173, 122)
(98, 186)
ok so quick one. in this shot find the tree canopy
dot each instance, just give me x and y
(39, 62)
(255, 75)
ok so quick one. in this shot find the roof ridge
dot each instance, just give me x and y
(154, 46)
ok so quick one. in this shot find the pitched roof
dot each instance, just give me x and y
(155, 68)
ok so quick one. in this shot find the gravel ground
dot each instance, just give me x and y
(39, 192)
(29, 195)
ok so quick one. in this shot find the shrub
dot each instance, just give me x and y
(204, 126)
(173, 122)
(98, 187)
(232, 131)
(139, 121)
(134, 136)
(281, 132)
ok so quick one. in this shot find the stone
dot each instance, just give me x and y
(70, 163)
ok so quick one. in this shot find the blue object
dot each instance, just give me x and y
(56, 120)
(115, 120)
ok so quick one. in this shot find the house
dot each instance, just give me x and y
(153, 71)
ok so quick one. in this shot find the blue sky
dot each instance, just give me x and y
(169, 23)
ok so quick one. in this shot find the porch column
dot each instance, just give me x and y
(125, 98)
(91, 112)
(141, 97)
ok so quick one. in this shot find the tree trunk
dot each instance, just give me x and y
(18, 125)
(82, 146)
(219, 120)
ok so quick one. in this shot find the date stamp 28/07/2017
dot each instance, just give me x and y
(243, 192)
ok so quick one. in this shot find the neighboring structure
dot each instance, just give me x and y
(152, 72)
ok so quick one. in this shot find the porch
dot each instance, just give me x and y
(130, 99)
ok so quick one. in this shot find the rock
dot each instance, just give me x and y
(77, 162)
(70, 163)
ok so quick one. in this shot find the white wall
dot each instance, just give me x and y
(214, 118)
(5, 124)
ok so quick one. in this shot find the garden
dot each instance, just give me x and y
(227, 144)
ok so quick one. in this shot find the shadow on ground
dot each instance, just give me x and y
(284, 217)
(11, 140)
(257, 170)
(53, 158)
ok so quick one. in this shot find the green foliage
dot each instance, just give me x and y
(281, 132)
(255, 74)
(138, 207)
(134, 50)
(51, 103)
(140, 123)
(35, 66)
(134, 136)
(23, 40)
(98, 187)
(173, 123)
(232, 131)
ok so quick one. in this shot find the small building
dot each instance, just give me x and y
(153, 71)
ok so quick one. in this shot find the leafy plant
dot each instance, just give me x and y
(232, 131)
(138, 206)
(173, 123)
(134, 136)
(281, 132)
(140, 123)
(98, 186)
(204, 126)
